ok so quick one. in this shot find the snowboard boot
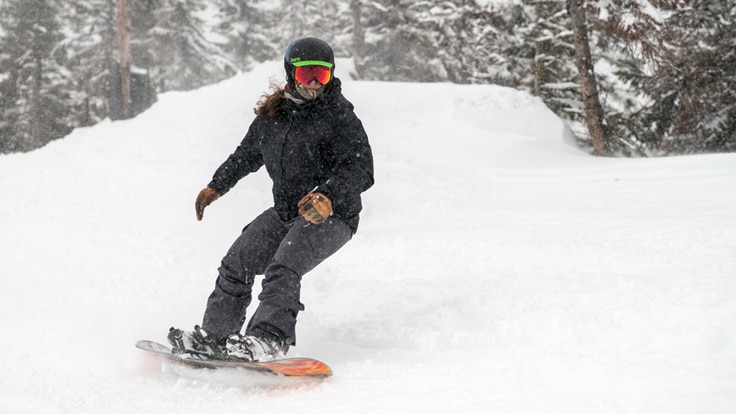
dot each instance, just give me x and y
(196, 344)
(252, 348)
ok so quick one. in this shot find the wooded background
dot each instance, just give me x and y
(664, 79)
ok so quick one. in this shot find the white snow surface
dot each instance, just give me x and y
(497, 268)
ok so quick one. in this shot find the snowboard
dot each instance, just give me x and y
(290, 367)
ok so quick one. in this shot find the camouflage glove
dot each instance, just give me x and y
(315, 207)
(206, 197)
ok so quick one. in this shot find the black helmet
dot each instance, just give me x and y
(307, 51)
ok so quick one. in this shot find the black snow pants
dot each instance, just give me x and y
(283, 252)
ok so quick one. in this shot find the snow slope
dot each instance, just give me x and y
(497, 268)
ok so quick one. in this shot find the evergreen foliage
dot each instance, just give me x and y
(244, 26)
(666, 68)
(34, 76)
(693, 83)
(182, 56)
(555, 77)
(90, 32)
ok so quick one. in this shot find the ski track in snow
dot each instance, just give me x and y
(496, 269)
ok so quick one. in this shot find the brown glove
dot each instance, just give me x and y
(315, 207)
(205, 198)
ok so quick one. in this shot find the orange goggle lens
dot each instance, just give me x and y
(305, 74)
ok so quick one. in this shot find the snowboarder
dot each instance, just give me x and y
(317, 154)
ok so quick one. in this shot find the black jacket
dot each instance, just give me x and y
(318, 146)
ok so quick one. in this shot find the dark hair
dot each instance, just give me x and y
(268, 104)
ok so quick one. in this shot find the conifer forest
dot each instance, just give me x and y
(632, 78)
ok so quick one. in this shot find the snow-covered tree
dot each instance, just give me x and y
(680, 66)
(665, 69)
(177, 45)
(246, 30)
(89, 31)
(555, 74)
(693, 81)
(461, 41)
(34, 78)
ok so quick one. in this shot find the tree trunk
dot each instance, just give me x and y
(358, 38)
(540, 51)
(122, 52)
(36, 122)
(589, 87)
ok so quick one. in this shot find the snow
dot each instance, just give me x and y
(497, 267)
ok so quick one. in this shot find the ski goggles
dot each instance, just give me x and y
(307, 70)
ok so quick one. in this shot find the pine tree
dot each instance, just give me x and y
(89, 40)
(35, 109)
(694, 81)
(247, 30)
(680, 66)
(181, 55)
(667, 87)
(555, 74)
(480, 44)
(461, 42)
(328, 20)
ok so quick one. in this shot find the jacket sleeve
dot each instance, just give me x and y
(246, 159)
(353, 167)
